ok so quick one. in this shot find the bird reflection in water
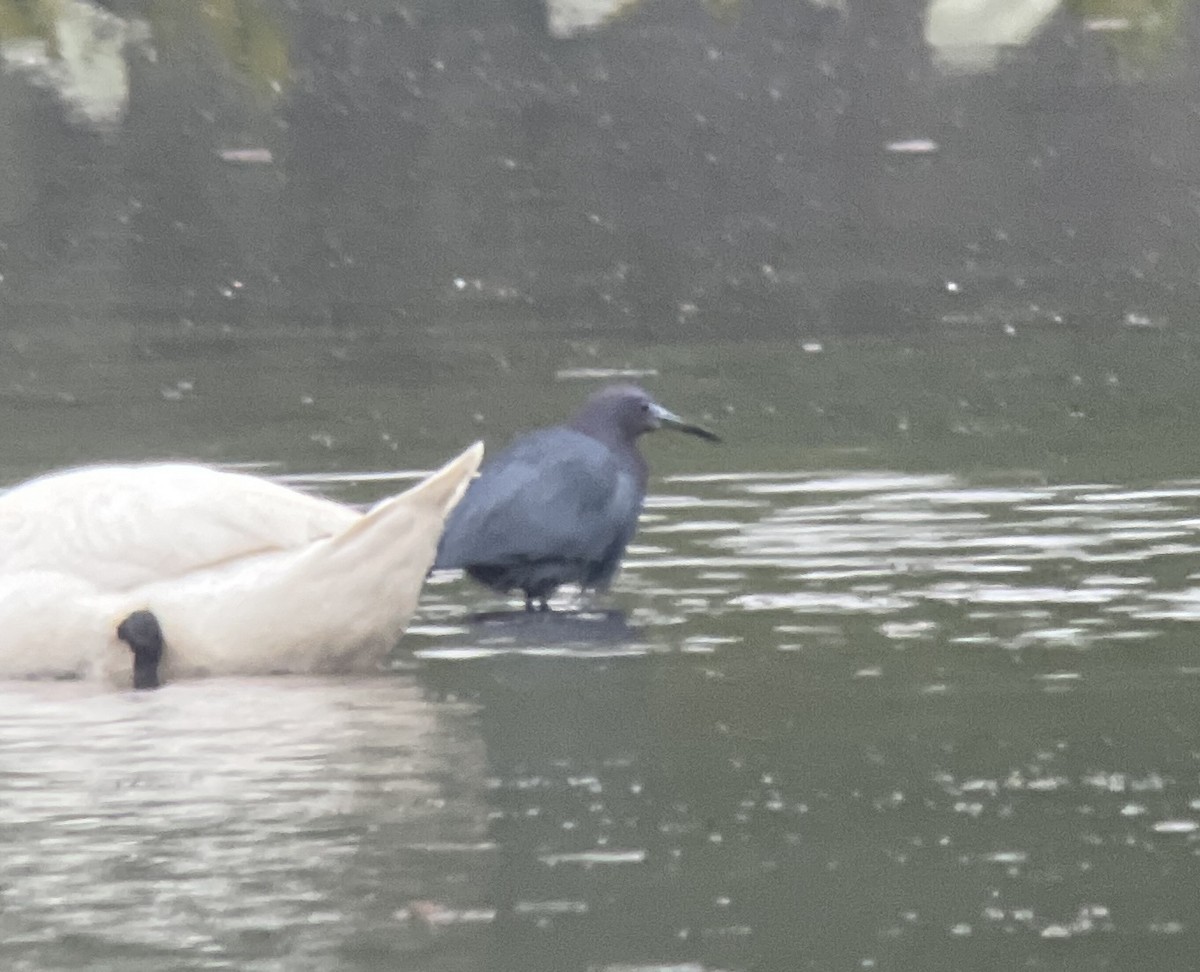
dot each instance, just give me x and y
(549, 628)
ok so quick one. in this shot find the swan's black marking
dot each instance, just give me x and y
(145, 639)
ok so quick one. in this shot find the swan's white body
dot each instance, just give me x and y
(244, 576)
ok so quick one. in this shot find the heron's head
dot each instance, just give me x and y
(630, 412)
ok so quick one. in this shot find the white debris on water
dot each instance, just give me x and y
(595, 857)
(247, 156)
(572, 374)
(1175, 827)
(912, 146)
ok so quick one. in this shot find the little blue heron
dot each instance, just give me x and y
(560, 504)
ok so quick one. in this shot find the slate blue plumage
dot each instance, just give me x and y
(560, 504)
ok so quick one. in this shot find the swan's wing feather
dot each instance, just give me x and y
(121, 526)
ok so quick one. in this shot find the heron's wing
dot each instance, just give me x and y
(605, 566)
(555, 494)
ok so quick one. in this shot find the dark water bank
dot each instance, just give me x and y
(688, 167)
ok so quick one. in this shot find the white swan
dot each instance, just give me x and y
(243, 576)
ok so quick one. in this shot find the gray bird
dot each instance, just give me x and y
(560, 504)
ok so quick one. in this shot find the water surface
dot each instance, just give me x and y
(902, 675)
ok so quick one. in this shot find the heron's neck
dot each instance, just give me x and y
(626, 451)
(597, 427)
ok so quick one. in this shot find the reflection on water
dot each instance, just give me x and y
(936, 711)
(874, 715)
(794, 167)
(82, 50)
(79, 50)
(560, 632)
(851, 716)
(569, 18)
(969, 35)
(229, 824)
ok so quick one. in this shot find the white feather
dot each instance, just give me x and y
(245, 576)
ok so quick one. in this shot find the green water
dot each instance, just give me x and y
(901, 676)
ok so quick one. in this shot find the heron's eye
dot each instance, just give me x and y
(645, 406)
